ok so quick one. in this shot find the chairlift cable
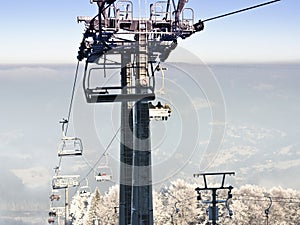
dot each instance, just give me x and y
(265, 200)
(59, 163)
(69, 112)
(91, 167)
(86, 161)
(262, 197)
(104, 154)
(258, 198)
(241, 10)
(72, 97)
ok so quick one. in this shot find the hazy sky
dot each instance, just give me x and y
(47, 32)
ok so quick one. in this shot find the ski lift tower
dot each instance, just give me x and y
(115, 39)
(213, 210)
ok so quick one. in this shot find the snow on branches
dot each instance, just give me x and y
(177, 203)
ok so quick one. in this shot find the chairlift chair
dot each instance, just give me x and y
(52, 213)
(84, 191)
(100, 89)
(51, 220)
(62, 182)
(70, 146)
(104, 174)
(54, 196)
(159, 112)
(57, 211)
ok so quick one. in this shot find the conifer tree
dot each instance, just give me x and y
(93, 215)
(79, 207)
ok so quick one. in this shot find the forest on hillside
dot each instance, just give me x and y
(177, 204)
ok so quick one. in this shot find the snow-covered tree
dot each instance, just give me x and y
(177, 204)
(103, 209)
(161, 209)
(285, 206)
(94, 209)
(109, 213)
(248, 204)
(79, 207)
(248, 209)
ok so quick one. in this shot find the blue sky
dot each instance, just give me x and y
(47, 32)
